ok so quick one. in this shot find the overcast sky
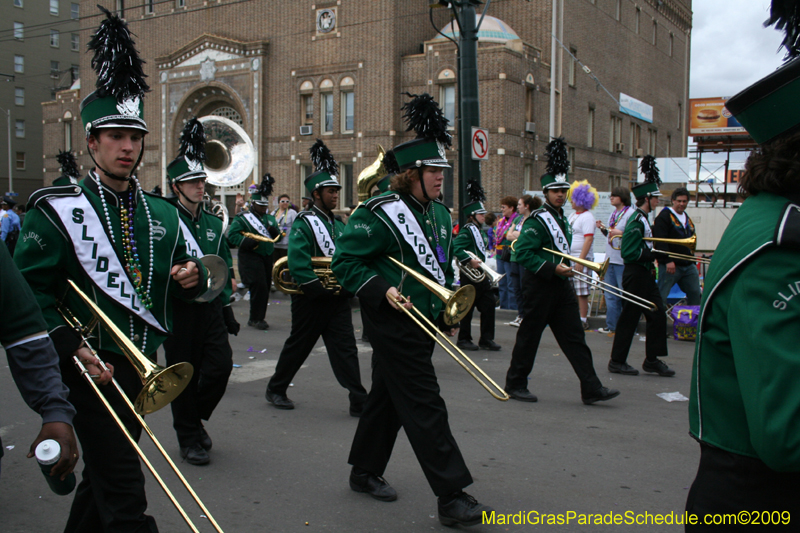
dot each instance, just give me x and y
(730, 47)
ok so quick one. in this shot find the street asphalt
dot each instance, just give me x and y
(287, 471)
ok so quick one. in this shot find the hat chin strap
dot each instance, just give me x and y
(114, 176)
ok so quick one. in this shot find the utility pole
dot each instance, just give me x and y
(464, 14)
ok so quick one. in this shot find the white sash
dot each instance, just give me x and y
(320, 231)
(96, 254)
(257, 225)
(559, 239)
(648, 231)
(192, 248)
(476, 234)
(406, 223)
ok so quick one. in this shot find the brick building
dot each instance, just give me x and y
(289, 72)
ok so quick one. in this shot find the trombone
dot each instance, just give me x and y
(601, 271)
(688, 242)
(161, 387)
(457, 305)
(262, 238)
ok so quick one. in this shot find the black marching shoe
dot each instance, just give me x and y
(462, 509)
(195, 455)
(622, 368)
(600, 395)
(280, 401)
(523, 395)
(657, 366)
(375, 486)
(205, 440)
(260, 324)
(489, 345)
(467, 345)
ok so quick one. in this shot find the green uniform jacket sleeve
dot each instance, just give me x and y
(235, 230)
(21, 316)
(225, 254)
(365, 240)
(634, 249)
(464, 242)
(533, 237)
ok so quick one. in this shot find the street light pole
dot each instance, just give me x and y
(10, 178)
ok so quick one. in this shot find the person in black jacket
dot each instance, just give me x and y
(674, 223)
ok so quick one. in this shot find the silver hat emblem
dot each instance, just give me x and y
(561, 178)
(194, 166)
(129, 107)
(442, 153)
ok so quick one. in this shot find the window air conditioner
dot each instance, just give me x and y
(306, 130)
(530, 127)
(619, 147)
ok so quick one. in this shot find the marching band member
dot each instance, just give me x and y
(744, 401)
(319, 311)
(639, 278)
(255, 256)
(411, 225)
(123, 247)
(200, 329)
(471, 238)
(549, 298)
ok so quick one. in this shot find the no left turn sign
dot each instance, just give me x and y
(480, 144)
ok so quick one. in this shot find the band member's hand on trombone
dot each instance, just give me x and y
(396, 300)
(564, 270)
(186, 274)
(100, 373)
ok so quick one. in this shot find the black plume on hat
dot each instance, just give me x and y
(650, 170)
(116, 61)
(475, 192)
(323, 159)
(193, 141)
(265, 189)
(390, 163)
(785, 15)
(557, 157)
(425, 117)
(69, 167)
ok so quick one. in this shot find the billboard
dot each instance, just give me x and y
(709, 116)
(635, 108)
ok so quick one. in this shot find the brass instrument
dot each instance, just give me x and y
(217, 277)
(230, 156)
(284, 282)
(218, 209)
(162, 386)
(688, 242)
(370, 176)
(476, 275)
(601, 272)
(457, 305)
(261, 238)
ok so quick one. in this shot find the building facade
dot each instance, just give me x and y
(40, 45)
(289, 73)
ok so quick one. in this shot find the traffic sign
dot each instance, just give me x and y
(480, 144)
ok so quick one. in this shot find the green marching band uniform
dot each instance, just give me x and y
(405, 393)
(638, 278)
(76, 232)
(318, 311)
(473, 239)
(549, 297)
(255, 256)
(200, 329)
(745, 399)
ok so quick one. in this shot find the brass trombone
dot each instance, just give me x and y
(601, 272)
(161, 387)
(457, 305)
(261, 238)
(688, 242)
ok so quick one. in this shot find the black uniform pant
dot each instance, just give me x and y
(484, 303)
(199, 337)
(405, 393)
(331, 318)
(550, 302)
(110, 496)
(639, 280)
(256, 272)
(729, 483)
